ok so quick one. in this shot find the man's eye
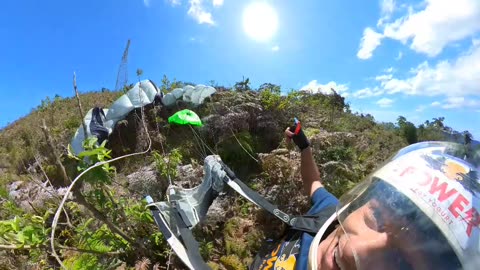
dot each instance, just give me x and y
(379, 219)
(373, 219)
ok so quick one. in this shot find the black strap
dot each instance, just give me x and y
(313, 223)
(161, 225)
(257, 198)
(306, 223)
(189, 241)
(96, 125)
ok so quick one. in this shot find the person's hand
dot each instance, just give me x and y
(296, 134)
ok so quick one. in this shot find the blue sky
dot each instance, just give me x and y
(419, 59)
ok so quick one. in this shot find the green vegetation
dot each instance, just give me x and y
(105, 224)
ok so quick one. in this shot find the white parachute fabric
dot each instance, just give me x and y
(206, 92)
(195, 202)
(79, 136)
(201, 92)
(188, 93)
(177, 92)
(141, 94)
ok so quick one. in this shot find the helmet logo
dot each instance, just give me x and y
(454, 171)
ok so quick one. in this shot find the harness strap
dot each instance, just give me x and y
(306, 223)
(188, 249)
(171, 238)
(189, 241)
(253, 196)
(313, 223)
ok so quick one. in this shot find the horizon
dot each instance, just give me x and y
(374, 55)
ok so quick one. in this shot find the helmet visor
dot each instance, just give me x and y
(381, 228)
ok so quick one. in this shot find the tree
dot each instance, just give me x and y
(407, 130)
(438, 122)
(212, 83)
(401, 120)
(270, 87)
(139, 73)
(467, 136)
(243, 85)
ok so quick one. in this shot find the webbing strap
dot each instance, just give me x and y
(313, 223)
(172, 240)
(307, 223)
(189, 241)
(253, 196)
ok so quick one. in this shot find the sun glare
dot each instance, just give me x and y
(260, 21)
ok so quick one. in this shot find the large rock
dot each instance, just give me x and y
(146, 181)
(189, 176)
(34, 195)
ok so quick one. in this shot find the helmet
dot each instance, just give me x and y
(421, 210)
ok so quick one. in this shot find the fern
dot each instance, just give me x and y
(143, 264)
(83, 261)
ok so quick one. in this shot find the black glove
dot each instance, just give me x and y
(299, 137)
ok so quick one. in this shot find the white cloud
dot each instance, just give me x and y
(275, 48)
(389, 70)
(384, 77)
(385, 102)
(197, 11)
(217, 3)
(394, 85)
(435, 104)
(387, 7)
(440, 23)
(369, 42)
(451, 78)
(367, 92)
(420, 108)
(399, 56)
(174, 2)
(315, 87)
(460, 102)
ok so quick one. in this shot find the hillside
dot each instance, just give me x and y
(105, 224)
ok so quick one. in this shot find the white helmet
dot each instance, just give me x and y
(429, 193)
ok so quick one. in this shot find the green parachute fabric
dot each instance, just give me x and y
(185, 117)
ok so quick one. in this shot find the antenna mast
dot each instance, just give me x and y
(122, 76)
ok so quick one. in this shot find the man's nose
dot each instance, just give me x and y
(363, 252)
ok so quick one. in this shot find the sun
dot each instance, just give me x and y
(260, 21)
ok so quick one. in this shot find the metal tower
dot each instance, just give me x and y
(122, 76)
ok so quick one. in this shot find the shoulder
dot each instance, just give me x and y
(321, 199)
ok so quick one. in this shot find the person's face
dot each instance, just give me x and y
(370, 239)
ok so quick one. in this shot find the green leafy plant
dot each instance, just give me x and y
(92, 154)
(167, 166)
(27, 230)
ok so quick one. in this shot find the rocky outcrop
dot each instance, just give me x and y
(146, 181)
(34, 196)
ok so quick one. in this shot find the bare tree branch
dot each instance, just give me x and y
(79, 105)
(58, 161)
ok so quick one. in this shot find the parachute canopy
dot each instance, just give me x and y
(185, 117)
(141, 94)
(188, 93)
(101, 122)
